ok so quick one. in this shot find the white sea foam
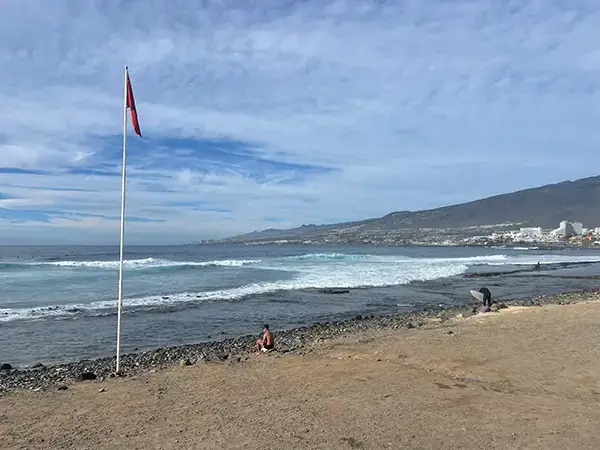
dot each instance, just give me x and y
(320, 258)
(335, 257)
(308, 277)
(331, 257)
(149, 263)
(310, 271)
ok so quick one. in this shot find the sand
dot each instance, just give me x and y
(526, 378)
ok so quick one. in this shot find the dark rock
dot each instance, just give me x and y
(334, 291)
(497, 307)
(37, 366)
(410, 325)
(449, 332)
(185, 362)
(62, 388)
(5, 366)
(86, 376)
(483, 309)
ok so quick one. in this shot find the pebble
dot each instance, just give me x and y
(296, 341)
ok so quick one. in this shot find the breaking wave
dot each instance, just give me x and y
(132, 264)
(309, 271)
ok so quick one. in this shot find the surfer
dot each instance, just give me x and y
(483, 295)
(266, 343)
(487, 296)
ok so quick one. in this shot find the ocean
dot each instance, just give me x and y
(58, 304)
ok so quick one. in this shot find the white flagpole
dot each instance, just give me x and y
(123, 183)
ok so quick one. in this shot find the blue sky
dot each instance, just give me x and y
(278, 113)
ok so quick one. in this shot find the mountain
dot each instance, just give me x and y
(543, 206)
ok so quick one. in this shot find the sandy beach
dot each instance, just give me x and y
(524, 377)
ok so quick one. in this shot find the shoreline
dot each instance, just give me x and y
(296, 341)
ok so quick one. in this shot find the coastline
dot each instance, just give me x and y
(295, 341)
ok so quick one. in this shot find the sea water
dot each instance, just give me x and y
(59, 303)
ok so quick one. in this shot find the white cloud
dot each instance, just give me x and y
(412, 104)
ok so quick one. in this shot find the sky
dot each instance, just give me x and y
(275, 113)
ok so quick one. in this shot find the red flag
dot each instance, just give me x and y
(131, 105)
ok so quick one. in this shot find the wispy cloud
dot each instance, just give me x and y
(257, 113)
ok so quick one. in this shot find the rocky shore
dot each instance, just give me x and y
(297, 340)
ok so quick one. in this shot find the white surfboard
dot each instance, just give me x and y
(478, 295)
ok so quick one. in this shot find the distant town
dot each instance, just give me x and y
(567, 234)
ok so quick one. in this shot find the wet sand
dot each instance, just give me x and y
(525, 377)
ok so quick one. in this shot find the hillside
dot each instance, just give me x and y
(543, 206)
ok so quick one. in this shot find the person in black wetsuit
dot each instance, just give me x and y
(487, 296)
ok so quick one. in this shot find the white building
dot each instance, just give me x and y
(568, 229)
(530, 234)
(565, 230)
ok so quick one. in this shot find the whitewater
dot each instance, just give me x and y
(304, 271)
(174, 294)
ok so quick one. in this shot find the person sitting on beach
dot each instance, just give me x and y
(266, 343)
